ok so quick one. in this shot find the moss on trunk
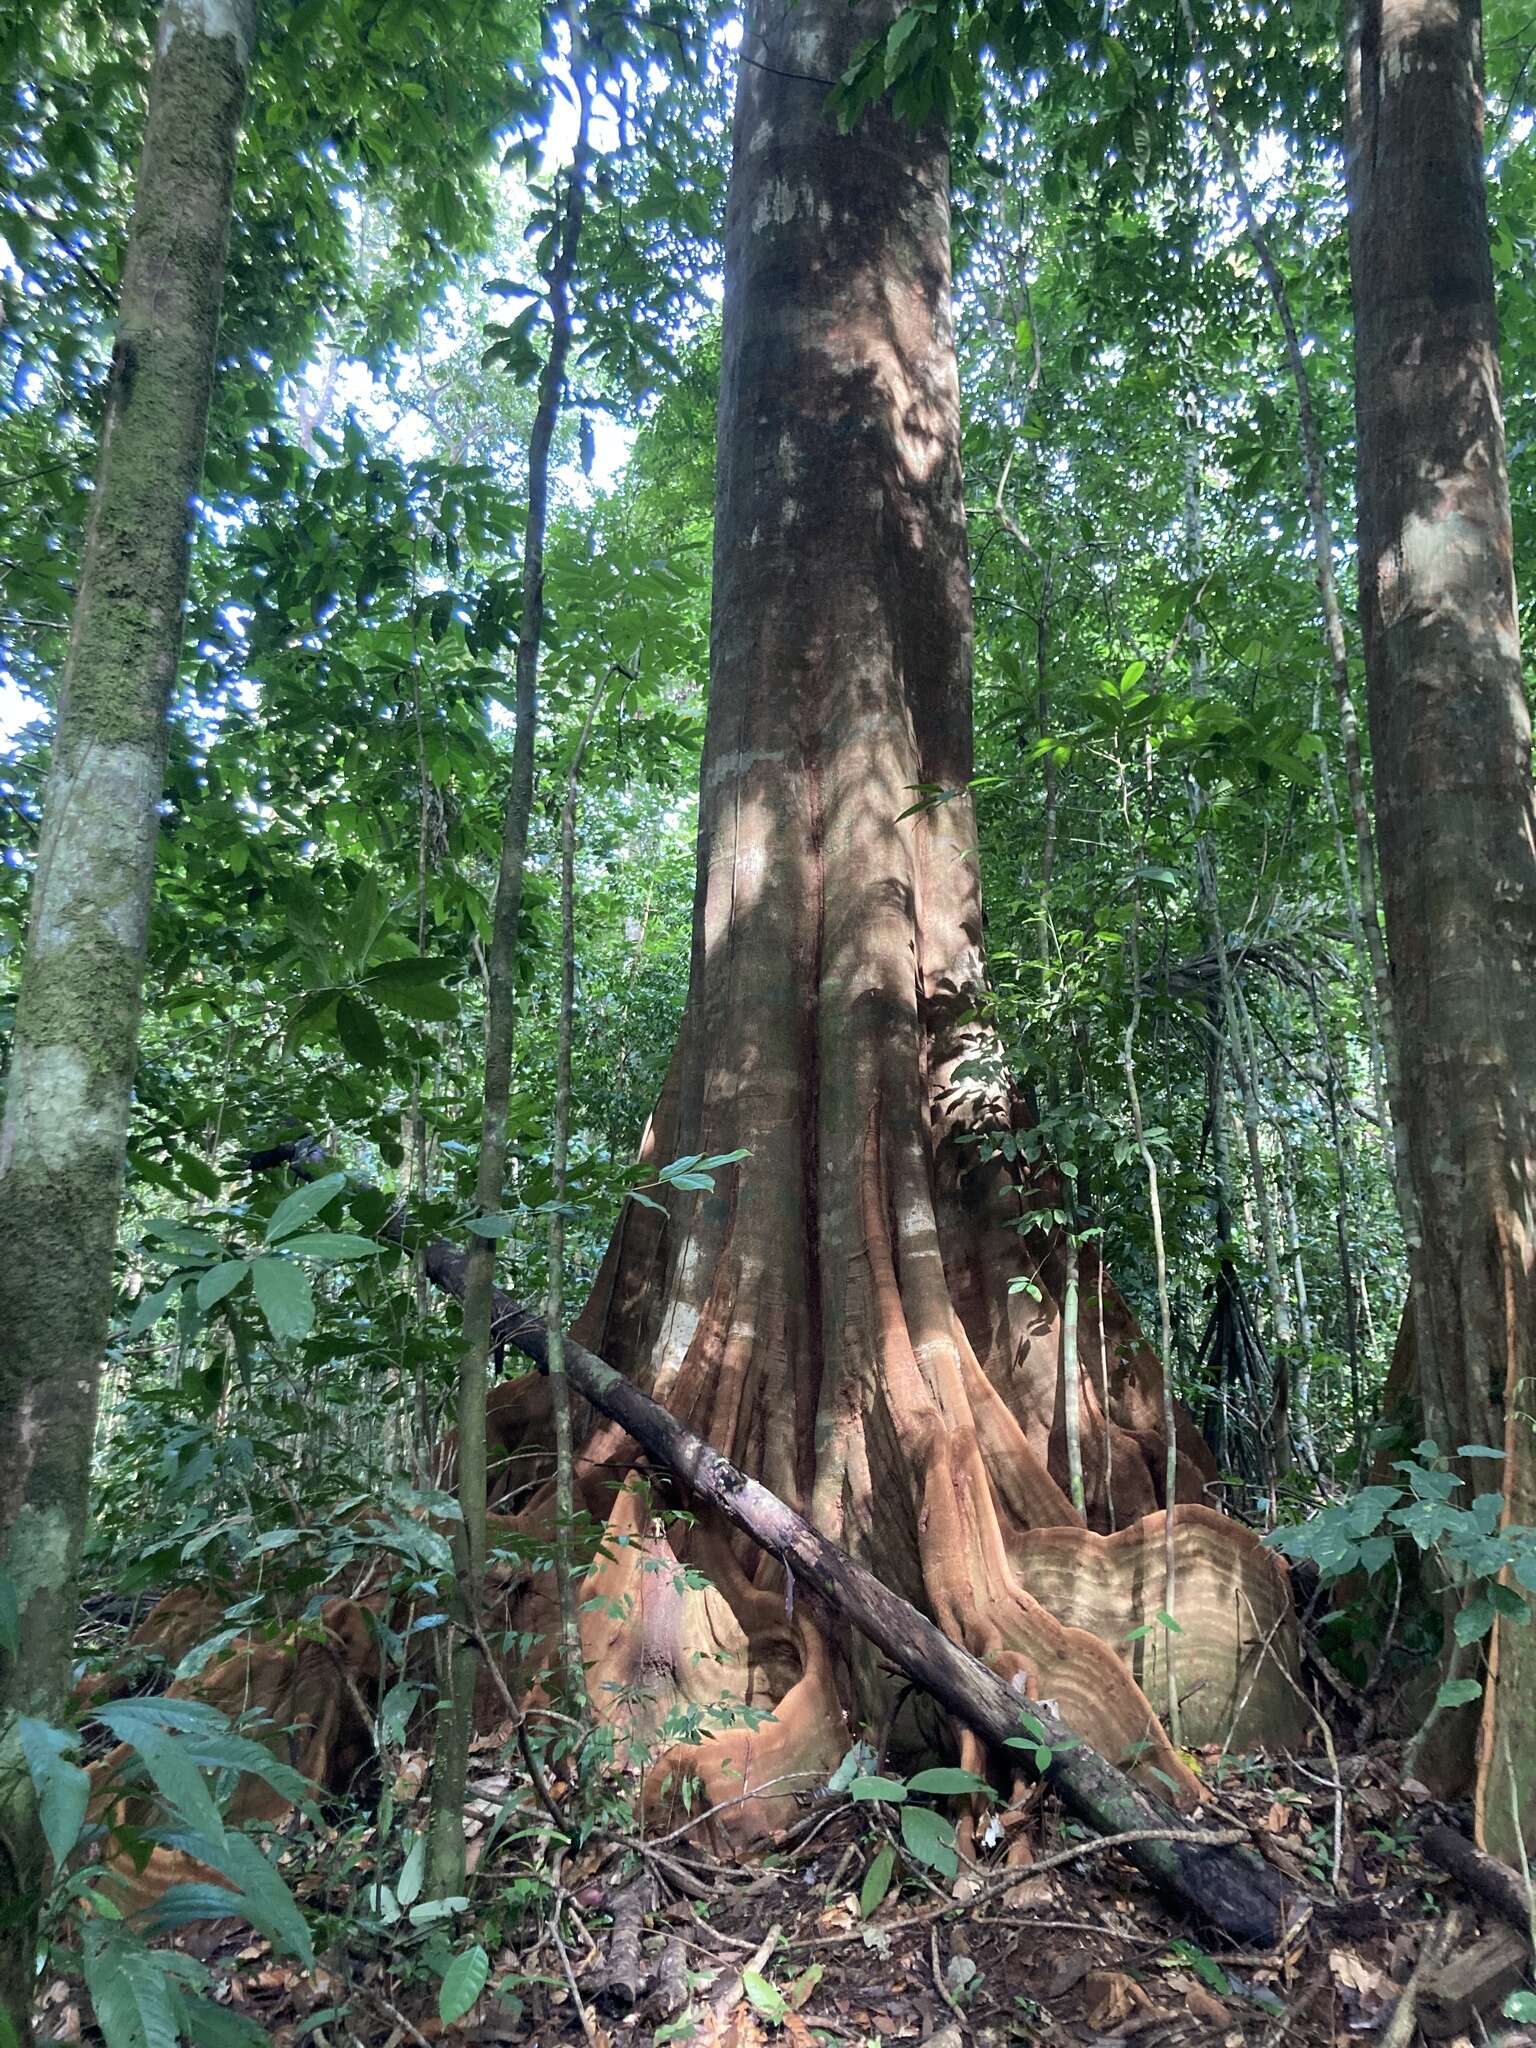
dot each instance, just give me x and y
(66, 1118)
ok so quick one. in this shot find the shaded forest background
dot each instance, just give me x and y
(1172, 874)
(335, 794)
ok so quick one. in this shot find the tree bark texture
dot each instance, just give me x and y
(1451, 740)
(836, 1316)
(66, 1114)
(1237, 1893)
(328, 1684)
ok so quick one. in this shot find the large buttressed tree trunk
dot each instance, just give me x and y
(1451, 740)
(67, 1099)
(836, 1315)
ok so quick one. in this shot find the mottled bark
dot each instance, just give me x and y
(1227, 1886)
(836, 1316)
(1451, 741)
(66, 1115)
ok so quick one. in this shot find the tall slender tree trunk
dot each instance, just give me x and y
(835, 1314)
(1451, 740)
(450, 1765)
(66, 1115)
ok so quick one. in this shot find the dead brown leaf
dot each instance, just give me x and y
(1364, 1991)
(1205, 2005)
(1112, 1997)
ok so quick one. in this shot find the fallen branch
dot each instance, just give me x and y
(1493, 1882)
(1011, 1880)
(1229, 1888)
(1399, 2030)
(725, 1993)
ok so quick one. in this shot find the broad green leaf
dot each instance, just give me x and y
(363, 922)
(1473, 1621)
(427, 1001)
(182, 1237)
(855, 1763)
(900, 31)
(395, 1711)
(1458, 1692)
(767, 2002)
(199, 1175)
(1511, 1605)
(219, 1281)
(408, 1884)
(492, 1226)
(362, 1040)
(151, 1307)
(265, 1900)
(63, 1789)
(187, 1717)
(877, 1880)
(805, 1984)
(891, 1789)
(174, 1774)
(285, 1298)
(130, 1987)
(463, 1981)
(314, 1018)
(430, 1911)
(930, 1839)
(330, 1247)
(207, 2024)
(949, 1780)
(202, 1654)
(411, 973)
(233, 1752)
(303, 1205)
(182, 1905)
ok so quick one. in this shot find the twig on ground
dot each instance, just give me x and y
(728, 1990)
(562, 1899)
(394, 2015)
(812, 1825)
(531, 1763)
(939, 1984)
(1336, 1782)
(677, 1874)
(1120, 1934)
(737, 1799)
(1399, 2030)
(1010, 1880)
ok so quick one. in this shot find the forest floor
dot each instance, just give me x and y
(731, 1955)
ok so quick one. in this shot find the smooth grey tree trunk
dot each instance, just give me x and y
(64, 1135)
